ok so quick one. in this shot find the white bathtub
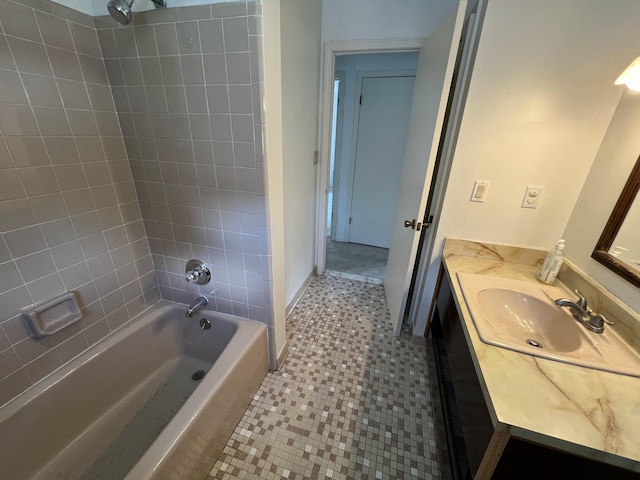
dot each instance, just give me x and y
(128, 407)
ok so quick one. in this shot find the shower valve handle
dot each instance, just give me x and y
(197, 272)
(193, 276)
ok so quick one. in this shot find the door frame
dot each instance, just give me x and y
(360, 76)
(331, 49)
(342, 76)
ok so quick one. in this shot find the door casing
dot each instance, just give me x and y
(326, 114)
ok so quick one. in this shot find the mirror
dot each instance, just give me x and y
(618, 248)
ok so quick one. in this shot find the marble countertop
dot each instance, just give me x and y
(580, 410)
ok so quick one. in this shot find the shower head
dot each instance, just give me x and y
(120, 10)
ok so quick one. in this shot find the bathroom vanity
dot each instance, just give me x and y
(509, 414)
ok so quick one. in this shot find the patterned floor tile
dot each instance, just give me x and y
(352, 401)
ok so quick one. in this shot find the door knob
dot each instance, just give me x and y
(411, 223)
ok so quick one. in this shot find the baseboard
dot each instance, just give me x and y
(296, 298)
(282, 355)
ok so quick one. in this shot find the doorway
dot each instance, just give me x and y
(371, 102)
(438, 60)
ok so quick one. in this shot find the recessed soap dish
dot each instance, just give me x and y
(52, 316)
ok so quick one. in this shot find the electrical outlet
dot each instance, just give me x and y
(479, 193)
(532, 197)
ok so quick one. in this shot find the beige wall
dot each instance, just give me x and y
(381, 19)
(272, 90)
(69, 216)
(537, 109)
(615, 159)
(300, 26)
(539, 104)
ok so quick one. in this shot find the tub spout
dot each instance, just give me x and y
(199, 304)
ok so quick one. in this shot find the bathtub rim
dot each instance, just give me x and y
(15, 404)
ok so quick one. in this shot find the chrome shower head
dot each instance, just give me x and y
(120, 10)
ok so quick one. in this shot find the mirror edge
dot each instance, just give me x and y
(601, 251)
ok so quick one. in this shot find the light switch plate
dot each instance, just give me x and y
(532, 197)
(479, 193)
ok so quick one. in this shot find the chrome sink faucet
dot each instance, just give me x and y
(199, 304)
(594, 322)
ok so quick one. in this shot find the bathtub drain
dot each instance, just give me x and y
(197, 375)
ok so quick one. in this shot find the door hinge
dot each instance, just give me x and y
(360, 99)
(349, 220)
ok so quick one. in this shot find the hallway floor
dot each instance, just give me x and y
(350, 401)
(356, 262)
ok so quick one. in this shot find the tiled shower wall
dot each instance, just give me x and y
(186, 84)
(69, 215)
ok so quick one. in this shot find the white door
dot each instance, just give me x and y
(431, 92)
(385, 106)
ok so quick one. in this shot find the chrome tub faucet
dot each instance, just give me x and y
(198, 304)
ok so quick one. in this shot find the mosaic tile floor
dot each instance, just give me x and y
(351, 400)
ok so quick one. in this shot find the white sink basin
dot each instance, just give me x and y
(522, 316)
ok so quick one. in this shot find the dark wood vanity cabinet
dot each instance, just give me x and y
(476, 449)
(462, 396)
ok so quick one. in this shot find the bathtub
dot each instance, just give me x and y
(136, 405)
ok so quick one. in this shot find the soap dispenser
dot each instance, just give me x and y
(552, 263)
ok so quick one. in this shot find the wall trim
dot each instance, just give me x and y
(282, 355)
(298, 295)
